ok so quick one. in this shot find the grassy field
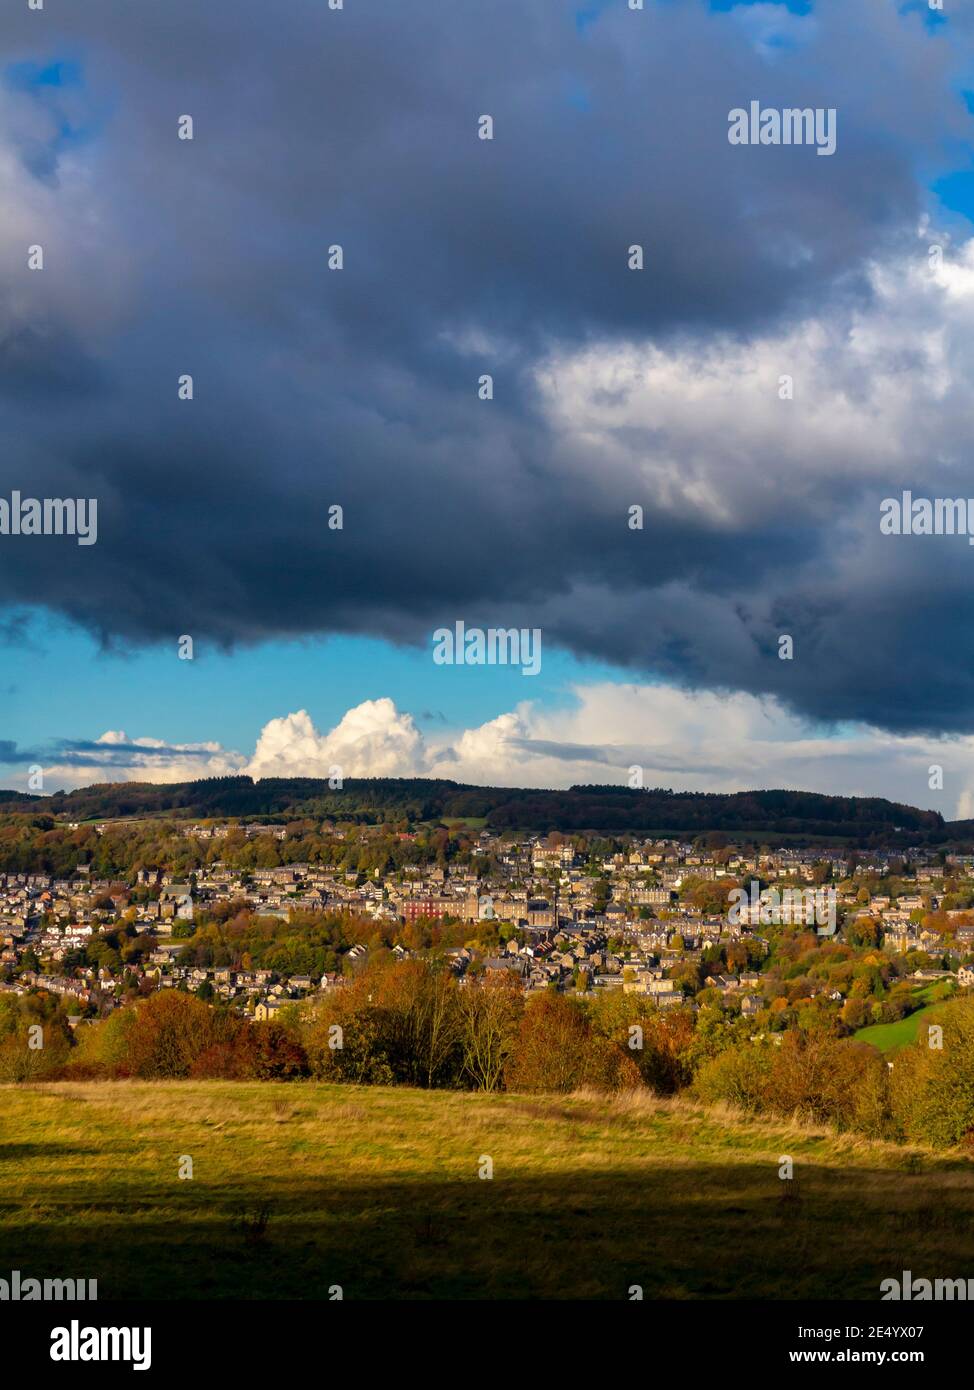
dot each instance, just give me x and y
(889, 1037)
(299, 1187)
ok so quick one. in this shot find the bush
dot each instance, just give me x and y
(360, 1059)
(664, 1060)
(272, 1053)
(35, 1040)
(739, 1076)
(22, 1060)
(400, 1022)
(103, 1048)
(255, 1052)
(814, 1076)
(164, 1036)
(932, 1089)
(557, 1049)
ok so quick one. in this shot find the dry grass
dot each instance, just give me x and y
(299, 1187)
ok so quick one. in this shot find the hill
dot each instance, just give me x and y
(784, 814)
(299, 1187)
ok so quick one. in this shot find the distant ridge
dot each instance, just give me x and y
(611, 809)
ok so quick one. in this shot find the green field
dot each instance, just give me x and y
(299, 1187)
(889, 1037)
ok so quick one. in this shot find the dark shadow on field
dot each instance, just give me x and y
(686, 1231)
(19, 1153)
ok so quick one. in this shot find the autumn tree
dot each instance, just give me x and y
(489, 1015)
(557, 1049)
(170, 1030)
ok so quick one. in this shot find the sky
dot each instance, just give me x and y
(613, 388)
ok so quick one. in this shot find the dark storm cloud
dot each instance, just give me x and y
(312, 387)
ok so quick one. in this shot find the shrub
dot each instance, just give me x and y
(20, 1060)
(557, 1049)
(740, 1076)
(37, 1055)
(664, 1060)
(932, 1089)
(815, 1076)
(171, 1031)
(103, 1048)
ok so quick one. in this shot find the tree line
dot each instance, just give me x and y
(412, 1023)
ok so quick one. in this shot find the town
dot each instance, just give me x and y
(569, 914)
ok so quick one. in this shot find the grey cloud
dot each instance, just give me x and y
(311, 387)
(616, 755)
(87, 753)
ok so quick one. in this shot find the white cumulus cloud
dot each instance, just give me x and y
(371, 740)
(686, 740)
